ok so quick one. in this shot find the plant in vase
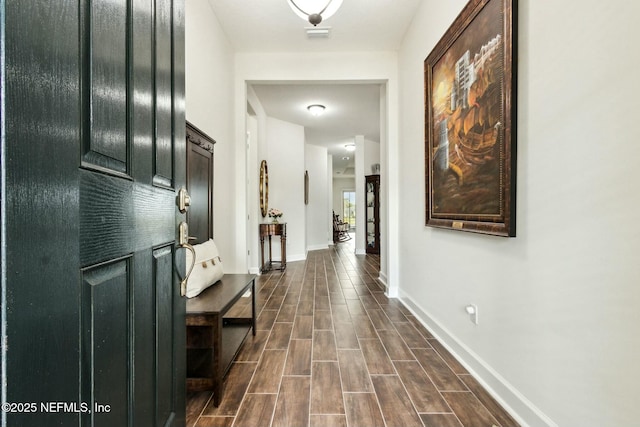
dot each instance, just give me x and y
(274, 214)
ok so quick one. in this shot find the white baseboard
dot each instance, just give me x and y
(522, 410)
(296, 257)
(361, 252)
(254, 270)
(317, 247)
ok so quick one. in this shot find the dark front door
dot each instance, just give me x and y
(92, 157)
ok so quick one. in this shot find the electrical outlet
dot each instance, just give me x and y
(472, 311)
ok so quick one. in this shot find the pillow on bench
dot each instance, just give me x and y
(207, 269)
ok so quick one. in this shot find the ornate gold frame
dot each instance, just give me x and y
(264, 188)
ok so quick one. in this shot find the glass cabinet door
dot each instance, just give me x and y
(372, 232)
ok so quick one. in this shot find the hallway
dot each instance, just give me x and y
(332, 350)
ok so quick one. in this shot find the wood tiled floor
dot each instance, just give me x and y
(332, 350)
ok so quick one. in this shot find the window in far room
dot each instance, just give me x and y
(349, 207)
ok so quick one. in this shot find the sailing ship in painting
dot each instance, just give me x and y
(469, 124)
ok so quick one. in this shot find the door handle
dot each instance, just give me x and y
(183, 242)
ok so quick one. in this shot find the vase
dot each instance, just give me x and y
(275, 221)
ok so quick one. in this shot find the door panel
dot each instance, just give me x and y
(106, 303)
(95, 149)
(106, 77)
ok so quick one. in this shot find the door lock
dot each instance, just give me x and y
(183, 200)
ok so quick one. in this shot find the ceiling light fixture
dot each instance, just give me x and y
(316, 109)
(310, 11)
(350, 147)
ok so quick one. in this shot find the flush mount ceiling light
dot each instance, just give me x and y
(350, 147)
(316, 109)
(314, 11)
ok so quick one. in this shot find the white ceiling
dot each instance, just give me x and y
(359, 25)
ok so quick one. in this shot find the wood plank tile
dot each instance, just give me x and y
(234, 388)
(268, 372)
(379, 319)
(324, 345)
(206, 421)
(196, 401)
(292, 407)
(322, 319)
(353, 371)
(299, 358)
(256, 410)
(280, 335)
(326, 390)
(350, 294)
(287, 313)
(503, 417)
(394, 314)
(441, 375)
(363, 410)
(397, 409)
(355, 307)
(420, 327)
(362, 290)
(411, 336)
(340, 313)
(252, 347)
(274, 302)
(421, 390)
(376, 357)
(363, 327)
(322, 302)
(448, 357)
(337, 298)
(328, 421)
(395, 346)
(321, 288)
(305, 307)
(469, 409)
(369, 302)
(265, 320)
(346, 336)
(292, 297)
(440, 420)
(302, 328)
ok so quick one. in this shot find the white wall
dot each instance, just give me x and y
(371, 155)
(285, 158)
(318, 209)
(209, 106)
(558, 333)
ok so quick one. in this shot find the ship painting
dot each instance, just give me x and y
(470, 125)
(467, 131)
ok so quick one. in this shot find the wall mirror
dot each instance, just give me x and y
(264, 188)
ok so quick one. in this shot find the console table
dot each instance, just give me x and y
(268, 230)
(213, 340)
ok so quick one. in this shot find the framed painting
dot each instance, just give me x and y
(470, 122)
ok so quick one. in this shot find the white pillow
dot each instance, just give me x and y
(207, 269)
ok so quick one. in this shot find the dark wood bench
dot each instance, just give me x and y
(213, 339)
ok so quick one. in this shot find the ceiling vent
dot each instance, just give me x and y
(317, 32)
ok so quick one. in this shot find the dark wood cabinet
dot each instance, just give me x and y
(200, 184)
(217, 325)
(372, 217)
